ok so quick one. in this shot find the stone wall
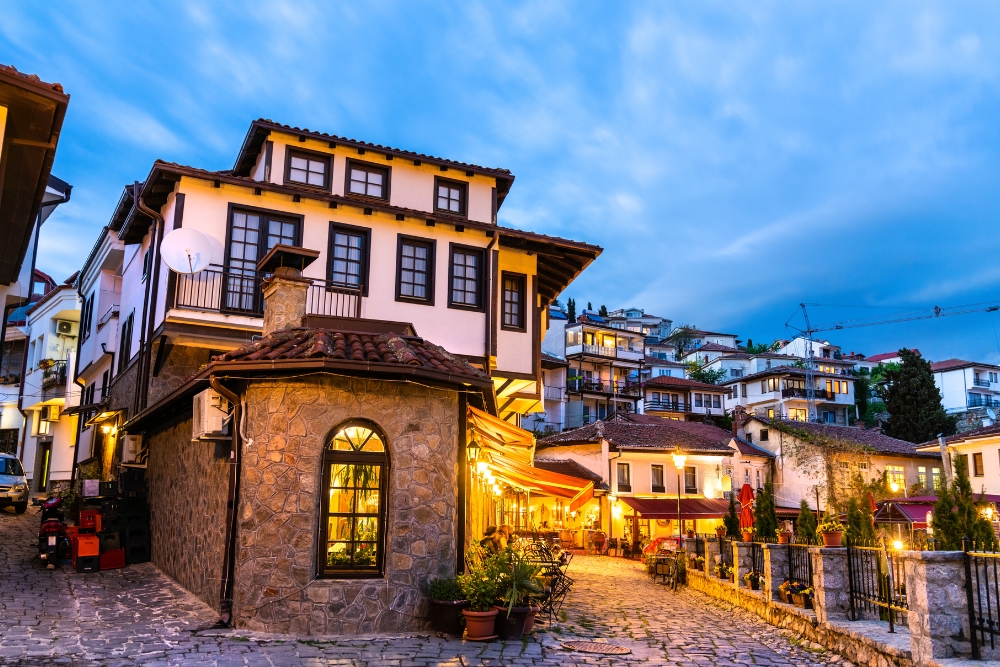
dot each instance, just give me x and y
(289, 421)
(121, 393)
(188, 492)
(181, 363)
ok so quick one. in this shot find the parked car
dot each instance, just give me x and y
(13, 484)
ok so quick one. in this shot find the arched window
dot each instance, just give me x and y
(353, 505)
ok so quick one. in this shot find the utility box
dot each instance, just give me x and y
(211, 416)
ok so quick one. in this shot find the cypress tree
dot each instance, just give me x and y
(603, 311)
(914, 402)
(731, 520)
(970, 521)
(571, 309)
(764, 516)
(806, 524)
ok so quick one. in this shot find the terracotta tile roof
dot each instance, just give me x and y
(647, 432)
(870, 438)
(668, 381)
(266, 122)
(553, 360)
(714, 347)
(303, 343)
(572, 469)
(888, 355)
(955, 364)
(656, 361)
(30, 78)
(981, 432)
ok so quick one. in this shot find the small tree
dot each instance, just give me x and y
(914, 402)
(806, 523)
(706, 375)
(731, 520)
(603, 311)
(859, 521)
(764, 516)
(571, 309)
(590, 307)
(957, 514)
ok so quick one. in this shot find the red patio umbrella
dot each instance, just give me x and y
(746, 500)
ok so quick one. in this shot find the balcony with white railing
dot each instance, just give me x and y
(553, 393)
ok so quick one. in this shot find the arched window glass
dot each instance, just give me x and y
(355, 470)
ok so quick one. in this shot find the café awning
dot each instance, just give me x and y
(666, 508)
(509, 453)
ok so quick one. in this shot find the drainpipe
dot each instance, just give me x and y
(149, 307)
(489, 305)
(229, 555)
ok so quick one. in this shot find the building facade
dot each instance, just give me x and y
(968, 389)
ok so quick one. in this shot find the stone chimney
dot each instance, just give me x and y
(285, 290)
(739, 418)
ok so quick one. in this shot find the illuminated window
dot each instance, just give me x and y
(922, 476)
(936, 478)
(798, 414)
(355, 467)
(896, 474)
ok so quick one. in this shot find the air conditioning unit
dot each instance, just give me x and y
(67, 327)
(50, 413)
(211, 416)
(132, 449)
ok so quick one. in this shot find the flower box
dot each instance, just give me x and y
(785, 597)
(802, 600)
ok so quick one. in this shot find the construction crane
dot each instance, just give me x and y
(909, 316)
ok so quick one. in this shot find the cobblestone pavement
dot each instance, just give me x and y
(138, 616)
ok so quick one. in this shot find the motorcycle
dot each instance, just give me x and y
(52, 542)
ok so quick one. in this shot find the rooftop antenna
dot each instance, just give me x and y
(186, 250)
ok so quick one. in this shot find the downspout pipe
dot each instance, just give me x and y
(149, 307)
(232, 503)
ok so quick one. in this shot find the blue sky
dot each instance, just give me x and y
(733, 159)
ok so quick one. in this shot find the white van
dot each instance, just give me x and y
(13, 484)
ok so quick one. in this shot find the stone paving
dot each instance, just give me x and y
(139, 616)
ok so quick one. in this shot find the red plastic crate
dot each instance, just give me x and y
(86, 545)
(90, 520)
(112, 560)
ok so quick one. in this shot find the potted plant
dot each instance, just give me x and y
(517, 583)
(748, 533)
(720, 531)
(723, 571)
(784, 536)
(447, 602)
(832, 531)
(753, 580)
(479, 587)
(690, 532)
(784, 592)
(699, 563)
(803, 598)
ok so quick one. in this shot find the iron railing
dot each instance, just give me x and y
(600, 387)
(800, 392)
(757, 558)
(239, 291)
(981, 383)
(668, 406)
(726, 551)
(876, 582)
(800, 567)
(982, 588)
(982, 401)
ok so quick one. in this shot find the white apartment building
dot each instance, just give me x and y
(636, 319)
(780, 392)
(968, 387)
(47, 388)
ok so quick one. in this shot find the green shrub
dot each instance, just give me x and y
(446, 590)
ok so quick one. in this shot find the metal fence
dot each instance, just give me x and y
(982, 588)
(877, 582)
(800, 564)
(757, 558)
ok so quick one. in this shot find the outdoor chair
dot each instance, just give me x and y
(613, 546)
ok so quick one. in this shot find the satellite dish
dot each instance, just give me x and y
(991, 413)
(186, 251)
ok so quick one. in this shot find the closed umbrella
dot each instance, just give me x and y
(746, 513)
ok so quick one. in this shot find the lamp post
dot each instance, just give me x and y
(679, 460)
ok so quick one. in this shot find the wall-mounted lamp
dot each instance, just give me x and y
(472, 450)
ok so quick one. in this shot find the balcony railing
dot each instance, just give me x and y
(604, 351)
(238, 291)
(554, 393)
(668, 406)
(981, 401)
(981, 383)
(600, 387)
(54, 376)
(799, 392)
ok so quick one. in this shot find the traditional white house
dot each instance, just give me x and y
(981, 450)
(47, 388)
(968, 388)
(402, 237)
(780, 391)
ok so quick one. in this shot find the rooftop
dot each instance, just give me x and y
(784, 370)
(888, 355)
(749, 449)
(955, 364)
(958, 438)
(870, 438)
(571, 469)
(647, 432)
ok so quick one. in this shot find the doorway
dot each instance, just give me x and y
(44, 460)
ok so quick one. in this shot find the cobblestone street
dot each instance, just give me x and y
(138, 616)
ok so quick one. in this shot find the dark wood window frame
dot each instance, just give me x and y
(480, 280)
(431, 245)
(368, 166)
(331, 457)
(625, 486)
(463, 188)
(693, 486)
(366, 249)
(309, 155)
(261, 241)
(522, 325)
(661, 487)
(87, 317)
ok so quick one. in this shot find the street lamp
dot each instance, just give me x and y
(679, 460)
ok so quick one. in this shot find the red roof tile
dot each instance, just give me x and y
(647, 432)
(955, 364)
(303, 343)
(871, 438)
(888, 355)
(714, 347)
(570, 468)
(981, 432)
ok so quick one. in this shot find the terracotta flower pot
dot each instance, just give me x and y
(784, 538)
(747, 537)
(833, 539)
(446, 615)
(529, 623)
(804, 601)
(690, 533)
(479, 625)
(511, 626)
(720, 532)
(785, 597)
